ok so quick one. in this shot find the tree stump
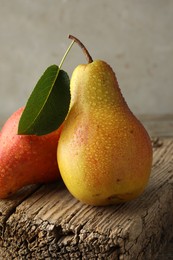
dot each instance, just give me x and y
(46, 222)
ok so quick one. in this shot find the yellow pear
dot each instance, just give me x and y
(104, 152)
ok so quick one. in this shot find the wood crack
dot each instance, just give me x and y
(8, 206)
(48, 223)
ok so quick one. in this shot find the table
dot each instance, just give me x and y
(46, 222)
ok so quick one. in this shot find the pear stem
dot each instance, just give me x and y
(88, 56)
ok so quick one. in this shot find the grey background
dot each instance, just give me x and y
(134, 36)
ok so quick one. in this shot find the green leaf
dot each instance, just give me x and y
(48, 104)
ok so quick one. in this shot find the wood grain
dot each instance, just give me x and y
(48, 223)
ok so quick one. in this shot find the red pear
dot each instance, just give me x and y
(26, 159)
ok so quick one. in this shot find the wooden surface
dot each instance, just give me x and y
(161, 126)
(46, 222)
(167, 253)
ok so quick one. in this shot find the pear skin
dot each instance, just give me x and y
(104, 152)
(26, 159)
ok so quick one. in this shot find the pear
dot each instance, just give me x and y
(104, 152)
(26, 159)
